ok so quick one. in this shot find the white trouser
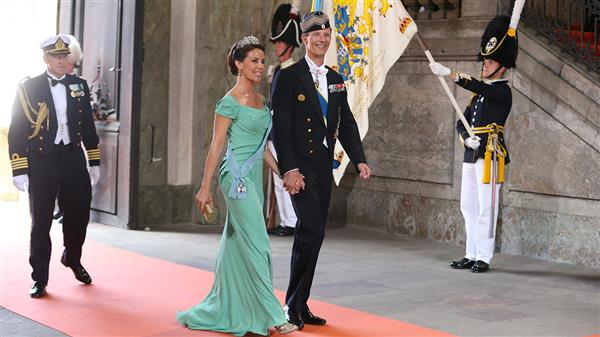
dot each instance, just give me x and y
(475, 205)
(284, 201)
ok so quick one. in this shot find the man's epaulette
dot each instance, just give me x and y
(25, 79)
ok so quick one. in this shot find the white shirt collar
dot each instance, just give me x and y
(54, 77)
(314, 68)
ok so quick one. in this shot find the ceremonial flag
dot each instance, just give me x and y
(368, 37)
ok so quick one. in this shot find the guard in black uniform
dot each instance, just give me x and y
(310, 111)
(487, 113)
(51, 117)
(285, 35)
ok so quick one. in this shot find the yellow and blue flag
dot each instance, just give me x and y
(369, 36)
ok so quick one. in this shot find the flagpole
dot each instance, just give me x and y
(445, 86)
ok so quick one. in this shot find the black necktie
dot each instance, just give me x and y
(55, 82)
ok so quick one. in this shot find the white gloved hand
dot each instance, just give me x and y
(94, 174)
(21, 182)
(473, 142)
(439, 70)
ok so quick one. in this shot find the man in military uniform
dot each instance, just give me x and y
(487, 114)
(310, 111)
(73, 59)
(285, 34)
(51, 116)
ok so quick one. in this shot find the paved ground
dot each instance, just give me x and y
(400, 278)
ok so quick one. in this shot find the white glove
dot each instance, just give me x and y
(94, 174)
(472, 142)
(21, 182)
(439, 70)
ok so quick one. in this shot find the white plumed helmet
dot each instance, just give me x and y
(76, 55)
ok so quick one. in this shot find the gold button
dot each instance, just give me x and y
(308, 120)
(311, 151)
(41, 138)
(80, 111)
(309, 130)
(79, 123)
(41, 126)
(310, 140)
(78, 133)
(40, 149)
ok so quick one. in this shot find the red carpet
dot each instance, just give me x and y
(134, 295)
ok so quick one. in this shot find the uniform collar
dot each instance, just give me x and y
(287, 63)
(500, 80)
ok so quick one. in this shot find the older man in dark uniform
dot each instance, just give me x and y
(51, 117)
(310, 111)
(487, 114)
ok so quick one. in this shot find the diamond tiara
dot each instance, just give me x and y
(247, 40)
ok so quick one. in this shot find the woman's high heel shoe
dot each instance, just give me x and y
(286, 328)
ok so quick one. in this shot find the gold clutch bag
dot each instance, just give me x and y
(209, 213)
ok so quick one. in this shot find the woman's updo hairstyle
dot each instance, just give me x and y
(239, 51)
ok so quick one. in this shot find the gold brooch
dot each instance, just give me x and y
(301, 98)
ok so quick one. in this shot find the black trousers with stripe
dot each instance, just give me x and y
(63, 173)
(312, 207)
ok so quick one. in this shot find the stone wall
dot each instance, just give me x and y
(154, 193)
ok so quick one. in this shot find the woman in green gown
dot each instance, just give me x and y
(242, 299)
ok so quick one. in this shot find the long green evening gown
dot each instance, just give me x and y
(242, 299)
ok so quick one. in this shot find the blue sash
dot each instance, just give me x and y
(324, 106)
(238, 184)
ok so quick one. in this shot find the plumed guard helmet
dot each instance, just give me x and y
(500, 42)
(286, 25)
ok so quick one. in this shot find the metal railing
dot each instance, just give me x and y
(572, 25)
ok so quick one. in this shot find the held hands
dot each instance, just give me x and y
(21, 182)
(473, 142)
(439, 70)
(94, 174)
(364, 171)
(293, 182)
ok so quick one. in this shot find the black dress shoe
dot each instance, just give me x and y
(80, 273)
(309, 318)
(281, 231)
(480, 267)
(38, 289)
(462, 264)
(295, 319)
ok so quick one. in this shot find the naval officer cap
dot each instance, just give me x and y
(58, 44)
(314, 21)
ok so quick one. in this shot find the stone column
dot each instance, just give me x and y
(181, 92)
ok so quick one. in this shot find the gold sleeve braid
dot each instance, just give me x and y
(93, 154)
